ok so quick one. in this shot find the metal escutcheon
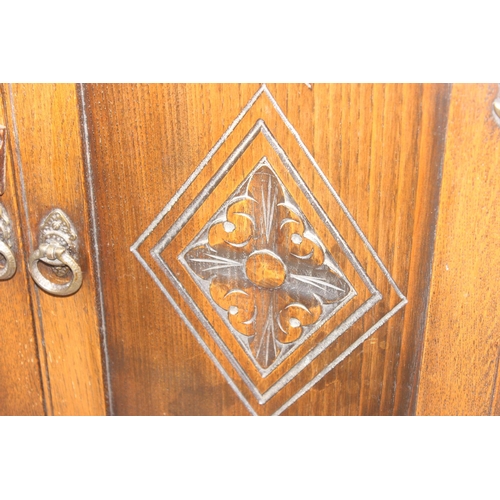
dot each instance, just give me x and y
(58, 247)
(9, 266)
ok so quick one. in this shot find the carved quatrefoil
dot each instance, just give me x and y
(267, 272)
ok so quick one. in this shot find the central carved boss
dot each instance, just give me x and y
(265, 267)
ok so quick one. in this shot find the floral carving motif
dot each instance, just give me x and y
(264, 266)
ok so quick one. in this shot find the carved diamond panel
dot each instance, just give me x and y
(265, 270)
(275, 298)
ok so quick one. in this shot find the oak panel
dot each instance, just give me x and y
(21, 388)
(386, 167)
(380, 146)
(459, 373)
(50, 166)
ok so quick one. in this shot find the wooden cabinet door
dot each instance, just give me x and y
(21, 383)
(48, 342)
(256, 249)
(265, 249)
(459, 373)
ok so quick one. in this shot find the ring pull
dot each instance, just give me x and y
(8, 266)
(57, 248)
(496, 107)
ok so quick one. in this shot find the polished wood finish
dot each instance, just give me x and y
(46, 136)
(21, 390)
(416, 165)
(381, 148)
(460, 366)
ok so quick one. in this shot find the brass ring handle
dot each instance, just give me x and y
(58, 254)
(6, 243)
(9, 269)
(58, 247)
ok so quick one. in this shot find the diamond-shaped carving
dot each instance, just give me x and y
(276, 299)
(264, 269)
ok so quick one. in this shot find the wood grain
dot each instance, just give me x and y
(381, 148)
(21, 391)
(49, 165)
(459, 373)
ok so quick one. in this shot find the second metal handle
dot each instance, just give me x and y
(57, 248)
(57, 254)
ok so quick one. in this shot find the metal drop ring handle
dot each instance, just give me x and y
(9, 269)
(58, 247)
(6, 242)
(60, 254)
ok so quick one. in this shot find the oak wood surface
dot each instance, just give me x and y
(21, 390)
(380, 146)
(459, 374)
(45, 123)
